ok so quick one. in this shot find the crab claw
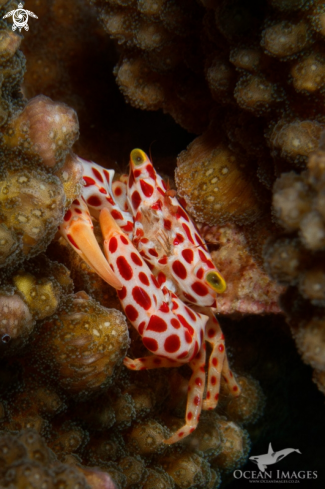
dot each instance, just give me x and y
(77, 228)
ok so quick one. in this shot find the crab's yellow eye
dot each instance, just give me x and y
(216, 282)
(138, 157)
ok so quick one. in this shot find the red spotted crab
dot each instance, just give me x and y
(162, 271)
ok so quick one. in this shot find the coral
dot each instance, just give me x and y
(84, 343)
(31, 206)
(30, 293)
(216, 183)
(297, 258)
(249, 289)
(44, 131)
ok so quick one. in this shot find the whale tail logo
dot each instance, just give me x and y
(271, 457)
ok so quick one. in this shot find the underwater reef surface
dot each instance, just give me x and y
(246, 79)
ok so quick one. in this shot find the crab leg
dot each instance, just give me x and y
(218, 363)
(147, 363)
(77, 229)
(194, 398)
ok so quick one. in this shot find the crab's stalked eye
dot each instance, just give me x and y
(138, 157)
(216, 282)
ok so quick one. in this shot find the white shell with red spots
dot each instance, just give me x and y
(167, 238)
(170, 257)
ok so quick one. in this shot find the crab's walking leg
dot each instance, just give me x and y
(150, 362)
(194, 397)
(77, 229)
(218, 363)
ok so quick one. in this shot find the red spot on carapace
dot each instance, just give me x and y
(213, 380)
(78, 211)
(200, 289)
(137, 173)
(192, 429)
(157, 324)
(68, 215)
(150, 343)
(102, 190)
(167, 224)
(117, 191)
(188, 337)
(164, 307)
(179, 269)
(189, 297)
(123, 239)
(186, 324)
(188, 255)
(157, 206)
(139, 232)
(112, 245)
(94, 201)
(97, 174)
(122, 293)
(136, 259)
(154, 281)
(106, 173)
(178, 239)
(205, 259)
(175, 323)
(141, 327)
(197, 400)
(208, 395)
(188, 232)
(172, 343)
(157, 361)
(235, 388)
(144, 240)
(131, 179)
(143, 278)
(221, 348)
(189, 416)
(72, 241)
(199, 240)
(216, 397)
(146, 188)
(180, 434)
(110, 200)
(214, 362)
(200, 273)
(141, 297)
(190, 313)
(136, 199)
(124, 268)
(163, 260)
(89, 181)
(76, 202)
(116, 214)
(161, 278)
(198, 381)
(153, 252)
(182, 355)
(181, 213)
(151, 171)
(211, 333)
(131, 312)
